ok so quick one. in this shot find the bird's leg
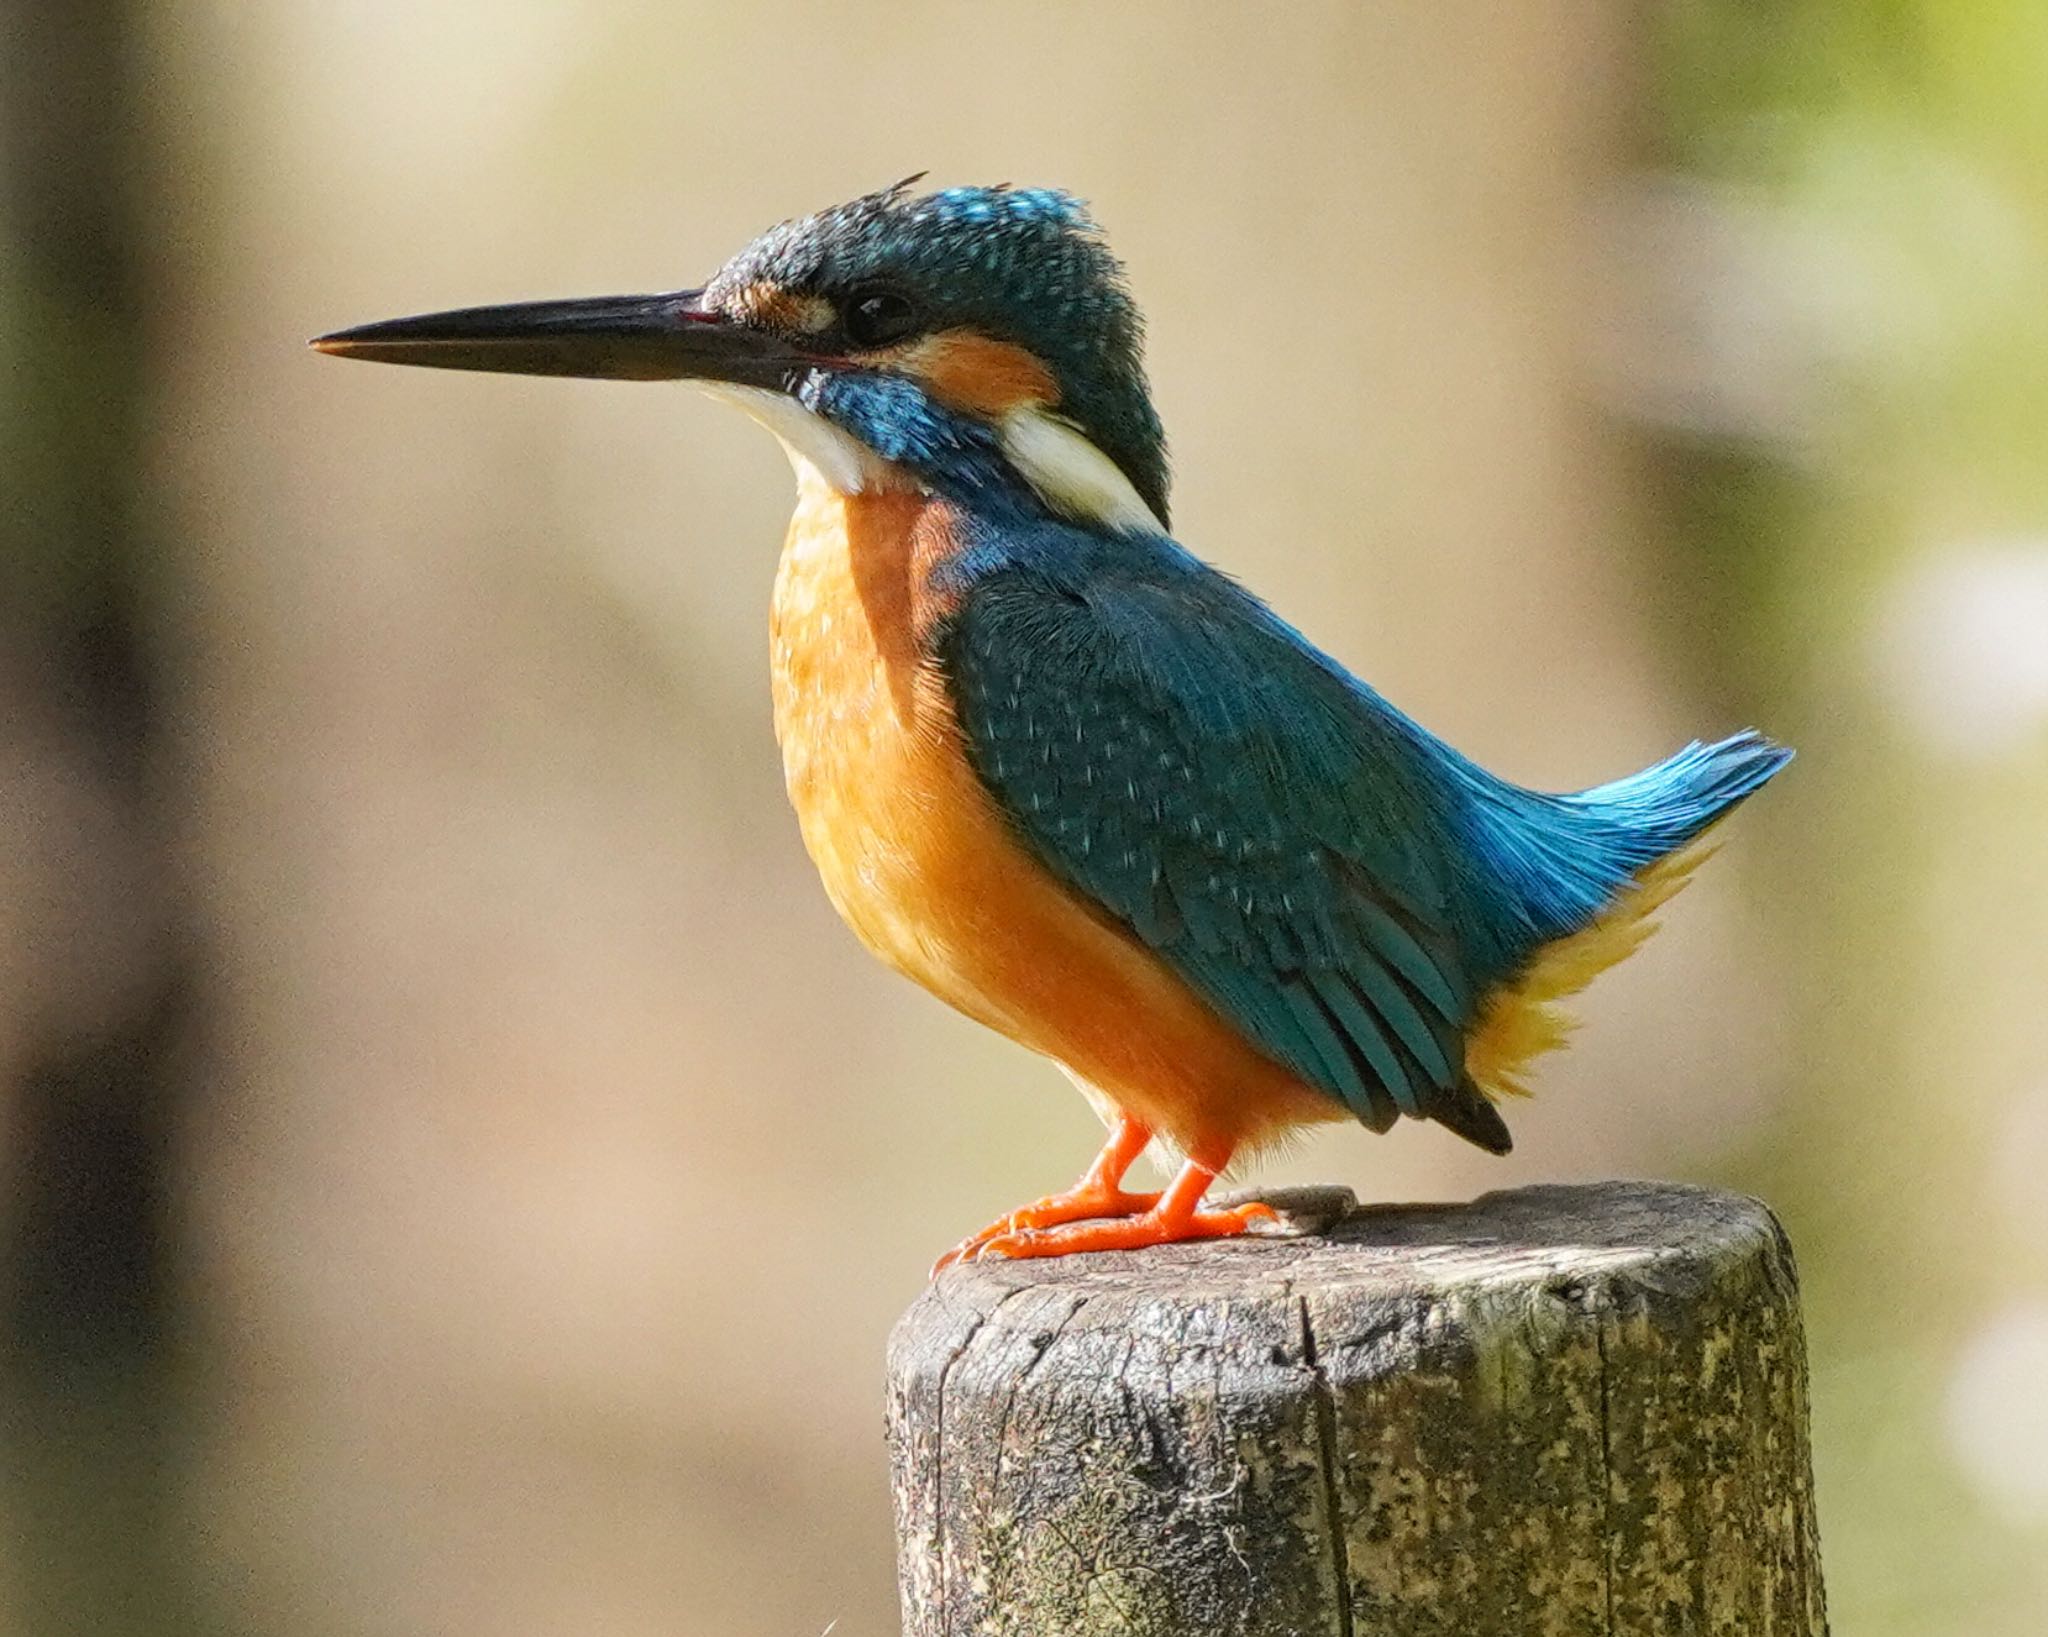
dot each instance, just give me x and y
(1176, 1216)
(1099, 1193)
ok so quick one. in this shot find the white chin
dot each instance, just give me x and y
(844, 462)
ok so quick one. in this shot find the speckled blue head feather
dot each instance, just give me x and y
(1023, 265)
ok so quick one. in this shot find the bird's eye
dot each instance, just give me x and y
(874, 318)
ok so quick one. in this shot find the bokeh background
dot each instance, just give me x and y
(458, 1176)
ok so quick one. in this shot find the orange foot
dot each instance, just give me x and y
(1060, 1225)
(1157, 1226)
(1078, 1204)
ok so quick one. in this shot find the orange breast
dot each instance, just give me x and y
(917, 859)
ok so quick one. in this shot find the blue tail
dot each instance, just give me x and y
(1663, 807)
(1557, 861)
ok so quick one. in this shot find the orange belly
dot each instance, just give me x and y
(921, 865)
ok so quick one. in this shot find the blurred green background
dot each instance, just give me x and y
(458, 1175)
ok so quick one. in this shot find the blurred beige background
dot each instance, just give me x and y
(547, 1165)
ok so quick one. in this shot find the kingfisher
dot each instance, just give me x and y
(1069, 777)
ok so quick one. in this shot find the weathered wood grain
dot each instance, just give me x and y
(1552, 1411)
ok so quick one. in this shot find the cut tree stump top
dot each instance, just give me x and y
(1554, 1410)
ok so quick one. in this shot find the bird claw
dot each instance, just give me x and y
(1131, 1233)
(1055, 1210)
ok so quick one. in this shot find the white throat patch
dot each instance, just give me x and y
(1054, 456)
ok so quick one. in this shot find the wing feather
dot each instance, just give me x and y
(1178, 756)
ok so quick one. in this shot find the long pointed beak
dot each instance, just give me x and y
(671, 337)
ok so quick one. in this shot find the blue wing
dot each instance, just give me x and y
(1335, 880)
(1173, 752)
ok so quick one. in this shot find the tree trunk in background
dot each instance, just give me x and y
(94, 1004)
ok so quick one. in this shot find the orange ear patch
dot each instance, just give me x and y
(978, 375)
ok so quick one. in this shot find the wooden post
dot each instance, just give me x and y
(1557, 1410)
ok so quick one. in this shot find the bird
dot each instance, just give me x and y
(1071, 778)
